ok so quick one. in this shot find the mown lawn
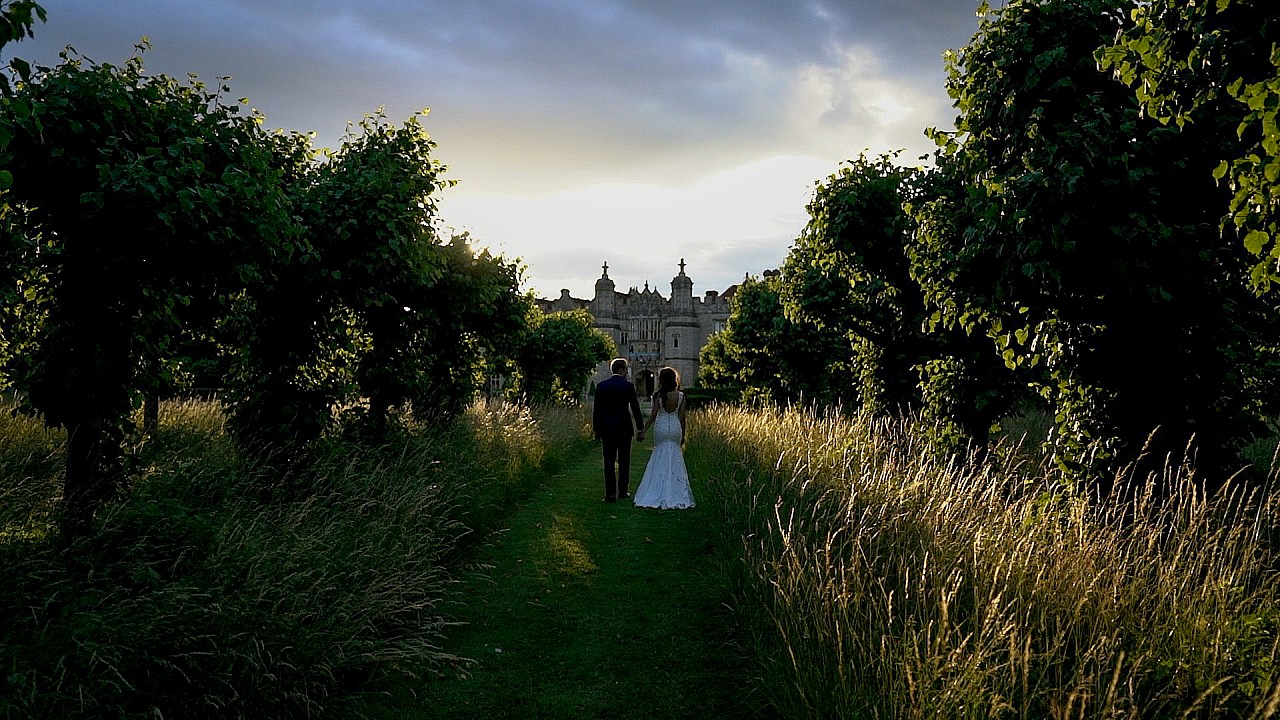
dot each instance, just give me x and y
(588, 609)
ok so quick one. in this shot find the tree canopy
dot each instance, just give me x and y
(554, 358)
(848, 274)
(1063, 250)
(1081, 238)
(1193, 62)
(772, 357)
(151, 223)
(136, 199)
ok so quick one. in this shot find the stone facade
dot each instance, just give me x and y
(652, 331)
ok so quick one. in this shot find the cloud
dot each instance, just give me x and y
(854, 105)
(634, 131)
(724, 224)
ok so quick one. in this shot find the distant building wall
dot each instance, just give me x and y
(651, 331)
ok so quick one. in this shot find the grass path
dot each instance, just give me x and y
(593, 610)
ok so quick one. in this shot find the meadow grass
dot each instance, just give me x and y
(867, 577)
(213, 588)
(31, 458)
(879, 580)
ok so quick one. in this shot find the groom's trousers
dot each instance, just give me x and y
(616, 451)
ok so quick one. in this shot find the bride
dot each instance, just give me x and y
(666, 481)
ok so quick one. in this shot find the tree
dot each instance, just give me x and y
(1193, 62)
(557, 355)
(17, 20)
(965, 386)
(1081, 239)
(844, 322)
(371, 212)
(848, 273)
(716, 366)
(472, 313)
(383, 313)
(771, 357)
(135, 200)
(289, 347)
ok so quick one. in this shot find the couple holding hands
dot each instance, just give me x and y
(665, 483)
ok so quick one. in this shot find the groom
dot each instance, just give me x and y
(614, 409)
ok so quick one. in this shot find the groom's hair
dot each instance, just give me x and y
(618, 366)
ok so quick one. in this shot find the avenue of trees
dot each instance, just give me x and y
(1097, 238)
(156, 237)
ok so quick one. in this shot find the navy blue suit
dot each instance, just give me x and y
(611, 415)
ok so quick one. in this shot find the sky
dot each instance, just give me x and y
(633, 132)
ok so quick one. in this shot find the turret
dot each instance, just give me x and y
(605, 304)
(682, 293)
(682, 336)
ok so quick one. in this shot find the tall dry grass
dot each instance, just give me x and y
(31, 458)
(212, 588)
(879, 580)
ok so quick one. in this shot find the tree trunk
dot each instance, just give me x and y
(85, 486)
(151, 412)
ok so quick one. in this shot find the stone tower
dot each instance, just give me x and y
(604, 307)
(682, 333)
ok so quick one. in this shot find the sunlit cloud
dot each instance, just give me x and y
(644, 230)
(854, 105)
(725, 222)
(580, 131)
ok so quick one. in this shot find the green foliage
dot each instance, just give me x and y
(471, 315)
(17, 20)
(848, 274)
(205, 593)
(555, 358)
(24, 295)
(370, 209)
(716, 366)
(770, 357)
(1199, 62)
(1081, 238)
(964, 394)
(381, 315)
(154, 235)
(137, 202)
(845, 323)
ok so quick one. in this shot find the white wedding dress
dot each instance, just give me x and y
(666, 481)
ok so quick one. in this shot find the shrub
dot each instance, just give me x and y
(207, 591)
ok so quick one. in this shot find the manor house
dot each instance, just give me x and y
(652, 331)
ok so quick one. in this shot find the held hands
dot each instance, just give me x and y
(640, 435)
